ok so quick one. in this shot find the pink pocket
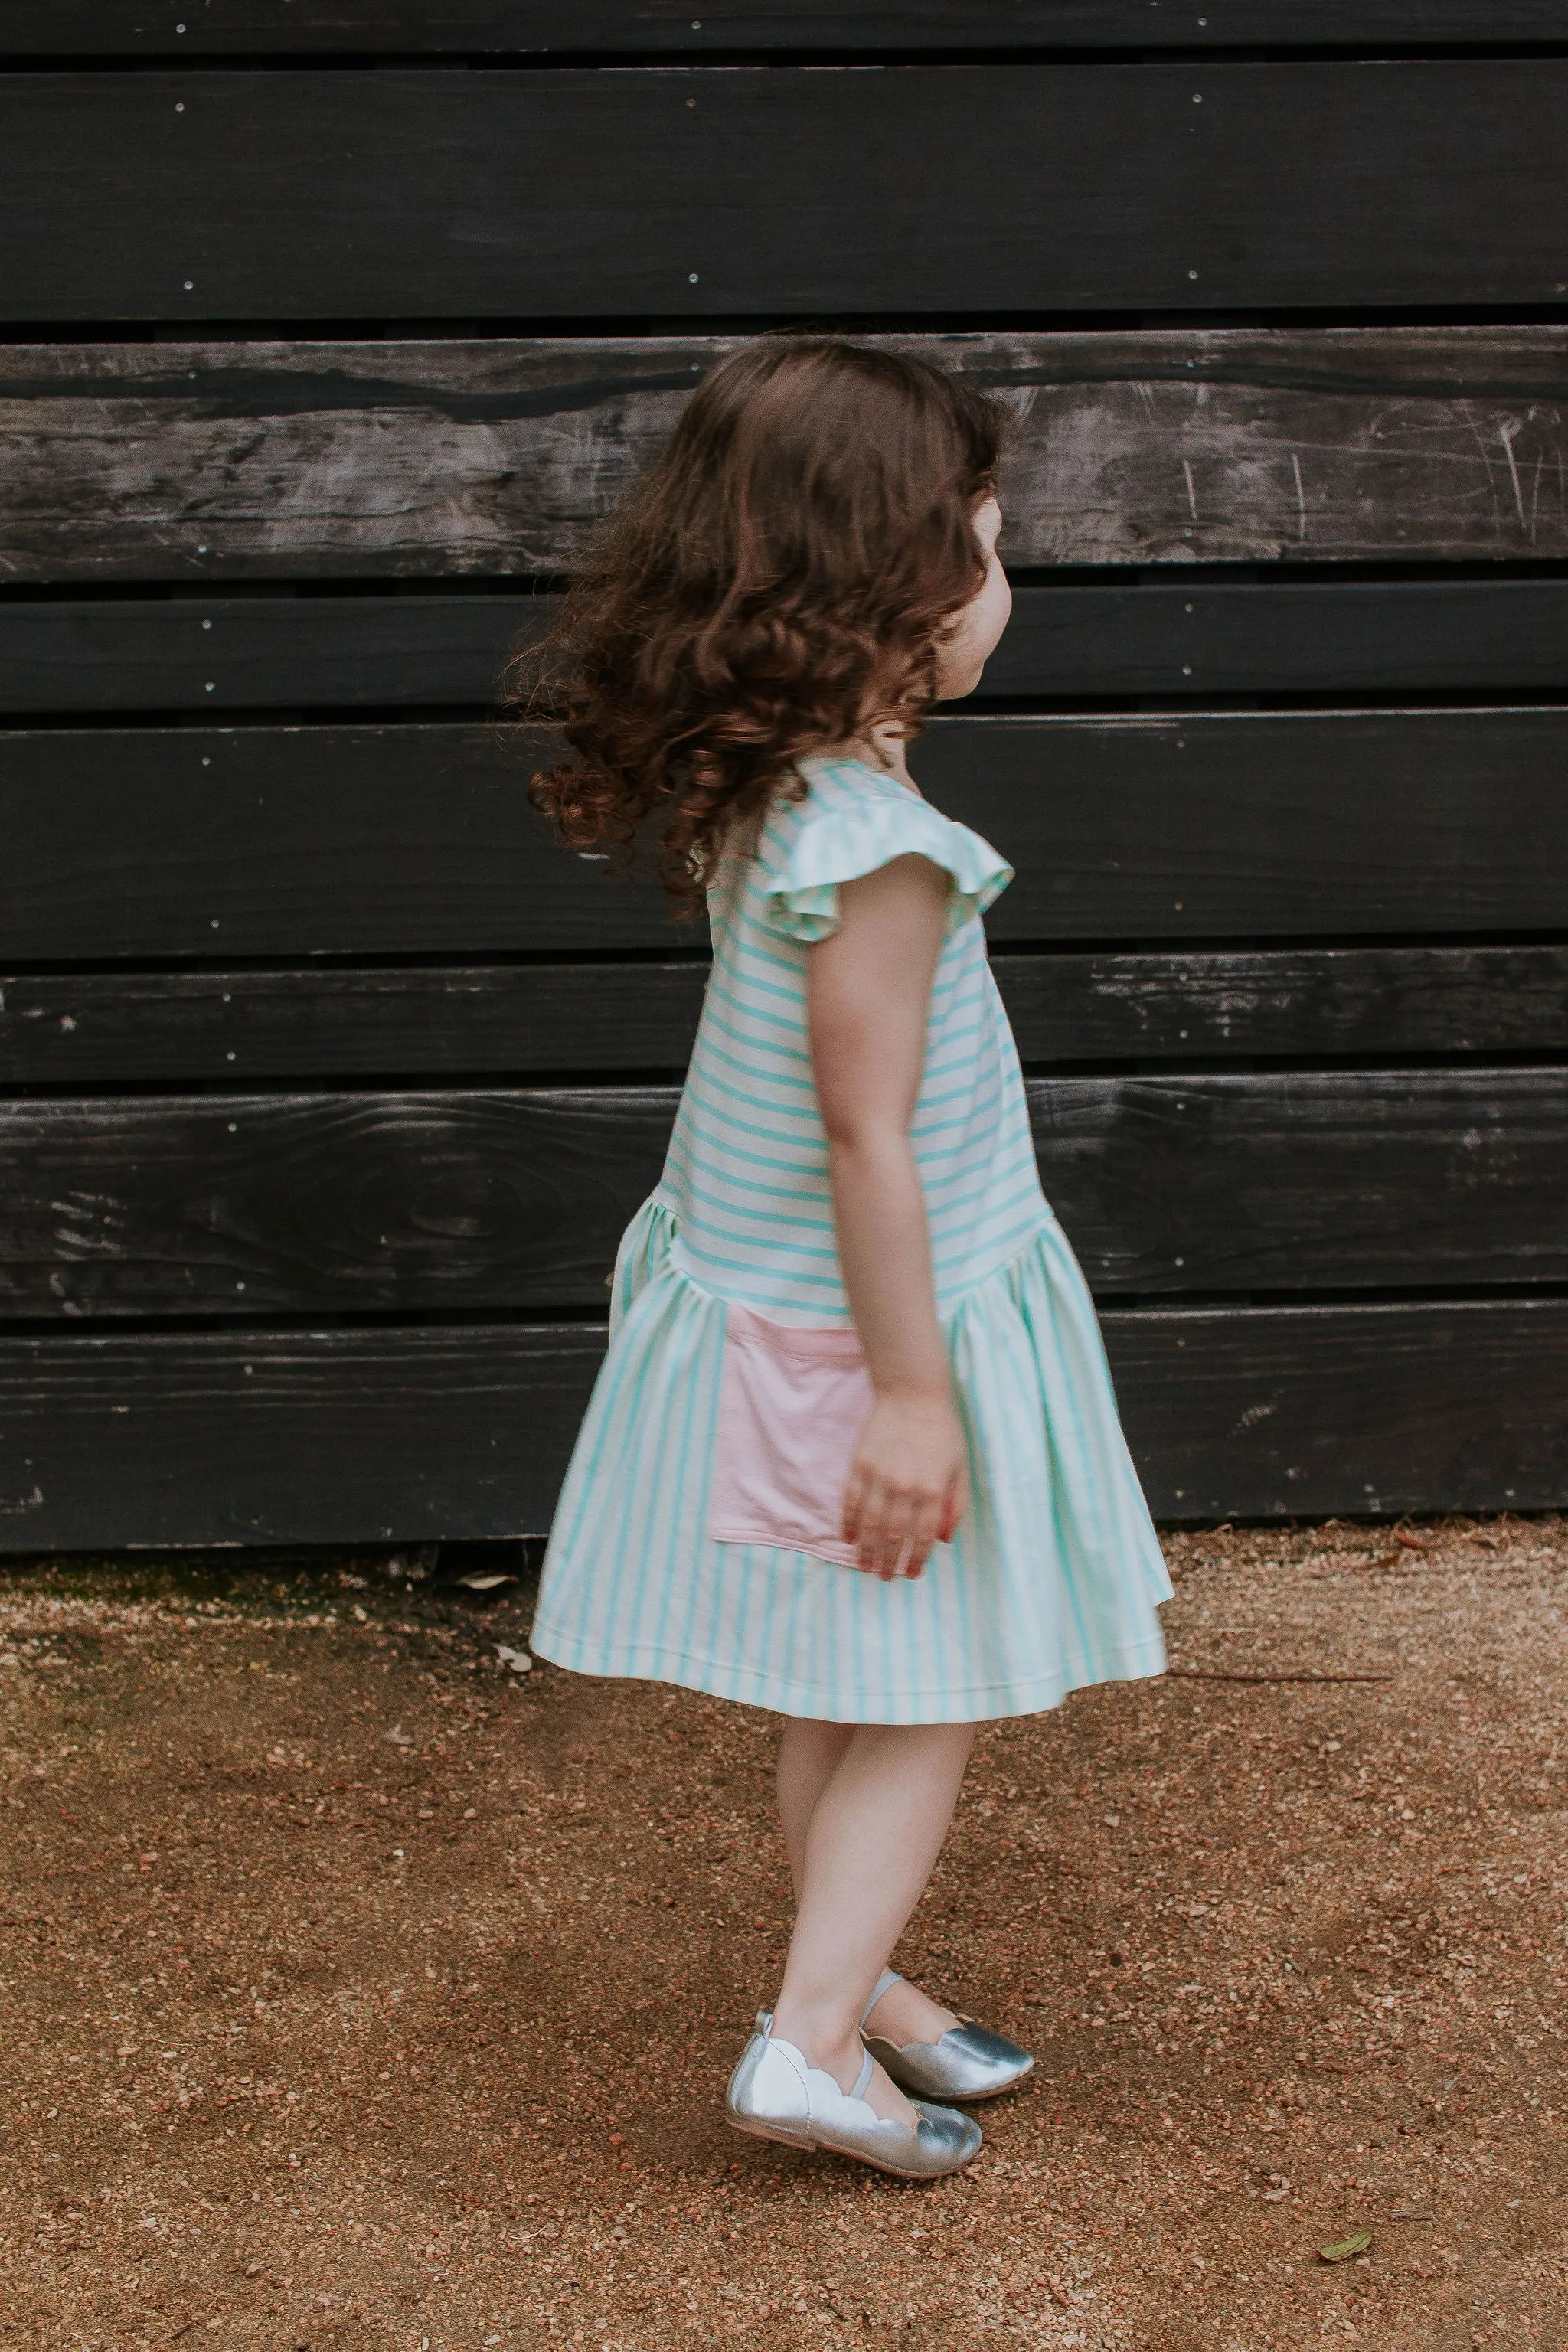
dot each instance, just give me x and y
(792, 1403)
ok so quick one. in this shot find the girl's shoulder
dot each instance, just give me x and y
(852, 820)
(838, 786)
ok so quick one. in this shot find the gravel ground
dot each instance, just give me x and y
(361, 1991)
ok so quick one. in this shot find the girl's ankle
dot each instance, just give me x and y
(823, 2044)
(906, 2013)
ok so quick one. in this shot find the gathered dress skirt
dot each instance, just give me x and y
(1052, 1581)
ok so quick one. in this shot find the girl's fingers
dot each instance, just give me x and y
(876, 1528)
(892, 1525)
(897, 1530)
(904, 1547)
(854, 1506)
(870, 1529)
(924, 1530)
(872, 1538)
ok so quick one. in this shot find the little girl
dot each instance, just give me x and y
(854, 1454)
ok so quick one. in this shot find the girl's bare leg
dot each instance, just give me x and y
(871, 1838)
(808, 1753)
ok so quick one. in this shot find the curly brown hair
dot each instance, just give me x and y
(780, 577)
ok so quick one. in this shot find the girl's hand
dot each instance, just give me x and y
(909, 1484)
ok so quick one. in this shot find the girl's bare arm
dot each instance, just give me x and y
(867, 1000)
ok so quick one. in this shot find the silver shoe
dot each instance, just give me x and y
(776, 2094)
(970, 2061)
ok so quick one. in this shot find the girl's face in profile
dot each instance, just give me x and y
(975, 633)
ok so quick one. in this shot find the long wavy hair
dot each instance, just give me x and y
(778, 580)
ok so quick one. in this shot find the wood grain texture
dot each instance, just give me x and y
(1259, 824)
(1280, 1413)
(1308, 1180)
(515, 1199)
(533, 1020)
(295, 1437)
(84, 1028)
(260, 653)
(194, 461)
(1201, 636)
(285, 841)
(1314, 1002)
(315, 1205)
(146, 844)
(320, 1204)
(345, 1436)
(178, 29)
(419, 193)
(69, 656)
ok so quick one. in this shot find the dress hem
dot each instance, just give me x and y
(978, 1702)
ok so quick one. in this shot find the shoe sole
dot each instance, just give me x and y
(765, 2131)
(893, 2171)
(831, 2147)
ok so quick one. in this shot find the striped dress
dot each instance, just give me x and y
(697, 1540)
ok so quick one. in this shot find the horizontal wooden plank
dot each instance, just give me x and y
(289, 841)
(1375, 1003)
(162, 653)
(1279, 1412)
(83, 1028)
(411, 1435)
(321, 1204)
(260, 653)
(358, 1436)
(516, 1199)
(1261, 824)
(421, 193)
(1358, 1179)
(531, 1020)
(1280, 636)
(194, 461)
(65, 29)
(215, 843)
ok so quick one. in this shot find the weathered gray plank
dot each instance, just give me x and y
(83, 1028)
(212, 842)
(1119, 636)
(194, 461)
(175, 28)
(409, 1435)
(494, 1200)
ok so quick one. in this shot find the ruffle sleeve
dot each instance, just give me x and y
(836, 844)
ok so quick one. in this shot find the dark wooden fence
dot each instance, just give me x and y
(333, 328)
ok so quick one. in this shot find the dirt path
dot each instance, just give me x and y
(361, 1993)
